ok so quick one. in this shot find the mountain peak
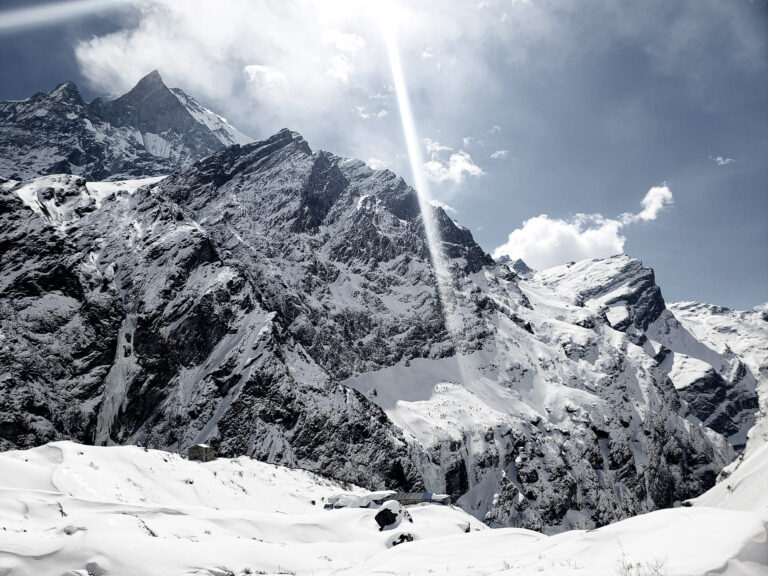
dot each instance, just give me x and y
(66, 92)
(151, 85)
(151, 81)
(150, 106)
(286, 135)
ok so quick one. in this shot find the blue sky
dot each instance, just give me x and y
(547, 120)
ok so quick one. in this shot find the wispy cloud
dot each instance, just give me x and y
(366, 115)
(653, 203)
(543, 242)
(499, 154)
(444, 206)
(342, 62)
(434, 148)
(721, 160)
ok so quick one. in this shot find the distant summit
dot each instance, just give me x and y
(150, 130)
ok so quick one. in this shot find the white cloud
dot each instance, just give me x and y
(495, 129)
(721, 161)
(543, 242)
(455, 168)
(499, 154)
(654, 202)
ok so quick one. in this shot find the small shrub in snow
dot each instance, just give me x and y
(626, 567)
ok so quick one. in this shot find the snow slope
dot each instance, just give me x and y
(223, 130)
(126, 511)
(68, 508)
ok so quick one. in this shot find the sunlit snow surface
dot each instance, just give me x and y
(66, 508)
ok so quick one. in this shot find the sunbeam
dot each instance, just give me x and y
(23, 18)
(431, 229)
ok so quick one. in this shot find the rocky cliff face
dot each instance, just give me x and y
(149, 131)
(59, 318)
(739, 340)
(122, 323)
(283, 303)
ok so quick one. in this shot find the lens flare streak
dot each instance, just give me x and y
(54, 12)
(442, 272)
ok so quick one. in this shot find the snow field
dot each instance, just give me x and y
(123, 510)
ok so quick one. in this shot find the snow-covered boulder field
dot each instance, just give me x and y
(67, 508)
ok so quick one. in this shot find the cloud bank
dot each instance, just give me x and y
(543, 242)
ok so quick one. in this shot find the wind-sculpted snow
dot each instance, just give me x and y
(72, 509)
(147, 132)
(281, 303)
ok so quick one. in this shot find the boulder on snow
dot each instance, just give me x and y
(385, 517)
(391, 515)
(400, 539)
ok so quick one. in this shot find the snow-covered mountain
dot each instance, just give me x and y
(741, 339)
(283, 303)
(150, 130)
(716, 384)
